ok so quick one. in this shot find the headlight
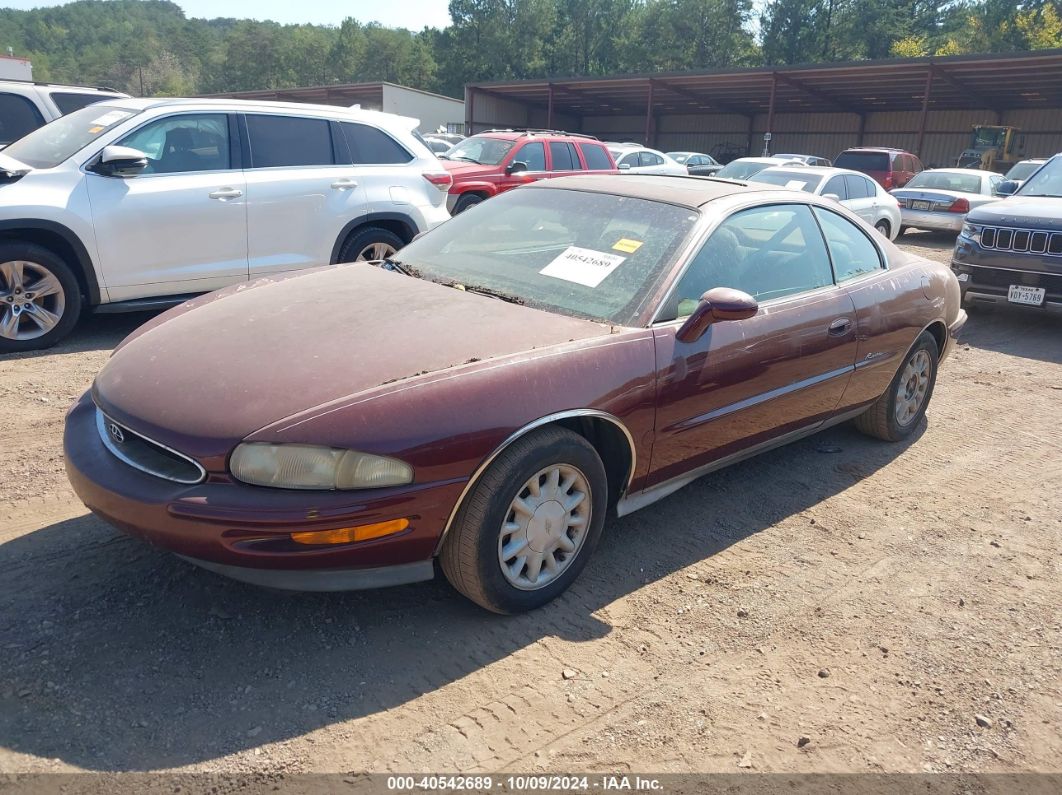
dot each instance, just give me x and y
(971, 232)
(303, 466)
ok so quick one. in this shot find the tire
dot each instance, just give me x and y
(24, 266)
(466, 201)
(473, 553)
(882, 419)
(901, 232)
(884, 227)
(371, 243)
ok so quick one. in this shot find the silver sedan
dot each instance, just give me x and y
(938, 199)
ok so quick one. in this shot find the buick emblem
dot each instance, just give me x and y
(116, 433)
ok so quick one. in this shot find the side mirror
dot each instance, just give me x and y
(833, 196)
(120, 161)
(624, 166)
(1007, 187)
(516, 167)
(717, 305)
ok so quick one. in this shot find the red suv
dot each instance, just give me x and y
(891, 168)
(492, 162)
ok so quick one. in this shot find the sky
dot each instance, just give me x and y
(412, 14)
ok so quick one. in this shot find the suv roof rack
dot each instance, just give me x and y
(56, 85)
(538, 131)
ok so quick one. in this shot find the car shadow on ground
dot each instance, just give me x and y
(115, 656)
(93, 333)
(934, 241)
(1028, 332)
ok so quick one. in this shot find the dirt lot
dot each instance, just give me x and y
(872, 598)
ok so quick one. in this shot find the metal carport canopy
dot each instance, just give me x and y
(994, 82)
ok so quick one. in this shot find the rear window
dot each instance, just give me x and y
(596, 157)
(289, 141)
(1023, 170)
(863, 161)
(68, 102)
(369, 146)
(18, 116)
(942, 180)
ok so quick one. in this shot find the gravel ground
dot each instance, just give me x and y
(894, 605)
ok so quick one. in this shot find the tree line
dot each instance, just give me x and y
(150, 47)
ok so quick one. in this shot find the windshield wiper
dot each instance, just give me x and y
(1041, 195)
(398, 267)
(462, 157)
(512, 299)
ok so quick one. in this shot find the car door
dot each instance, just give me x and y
(835, 186)
(746, 382)
(180, 226)
(629, 162)
(862, 199)
(300, 194)
(652, 163)
(564, 159)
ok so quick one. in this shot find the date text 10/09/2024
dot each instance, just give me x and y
(531, 783)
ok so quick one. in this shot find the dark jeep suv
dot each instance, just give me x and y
(1011, 250)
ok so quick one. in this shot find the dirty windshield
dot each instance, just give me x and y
(582, 254)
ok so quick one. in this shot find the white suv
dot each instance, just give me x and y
(139, 203)
(25, 106)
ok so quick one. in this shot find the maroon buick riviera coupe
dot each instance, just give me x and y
(577, 347)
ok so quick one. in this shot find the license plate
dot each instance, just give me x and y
(919, 205)
(1020, 294)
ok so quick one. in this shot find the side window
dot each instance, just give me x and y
(916, 164)
(289, 141)
(852, 252)
(369, 146)
(596, 156)
(993, 182)
(857, 187)
(650, 159)
(178, 144)
(836, 187)
(534, 154)
(18, 116)
(768, 252)
(562, 156)
(68, 102)
(574, 154)
(629, 160)
(871, 186)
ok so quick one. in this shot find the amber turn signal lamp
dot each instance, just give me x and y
(348, 535)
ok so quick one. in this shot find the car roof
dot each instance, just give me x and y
(822, 171)
(977, 172)
(84, 89)
(777, 161)
(876, 149)
(686, 191)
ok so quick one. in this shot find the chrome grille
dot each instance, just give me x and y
(1033, 241)
(146, 455)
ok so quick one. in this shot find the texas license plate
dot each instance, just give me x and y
(919, 205)
(1021, 294)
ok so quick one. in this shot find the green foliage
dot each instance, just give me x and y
(149, 46)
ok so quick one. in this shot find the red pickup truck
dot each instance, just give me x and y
(489, 163)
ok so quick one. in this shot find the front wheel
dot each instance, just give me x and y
(528, 526)
(369, 245)
(883, 227)
(466, 201)
(40, 299)
(896, 414)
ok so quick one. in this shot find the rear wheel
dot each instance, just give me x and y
(40, 299)
(373, 243)
(896, 414)
(528, 526)
(466, 201)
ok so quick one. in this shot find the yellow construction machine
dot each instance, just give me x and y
(993, 148)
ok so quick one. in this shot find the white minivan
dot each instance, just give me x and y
(139, 203)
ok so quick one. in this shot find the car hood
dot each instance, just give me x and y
(462, 168)
(1020, 211)
(213, 371)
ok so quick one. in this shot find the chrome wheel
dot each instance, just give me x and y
(375, 251)
(32, 300)
(883, 227)
(914, 384)
(545, 527)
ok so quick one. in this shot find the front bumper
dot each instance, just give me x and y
(954, 330)
(244, 531)
(989, 284)
(938, 222)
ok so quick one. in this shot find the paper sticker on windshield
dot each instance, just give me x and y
(627, 245)
(583, 266)
(94, 130)
(107, 119)
(795, 184)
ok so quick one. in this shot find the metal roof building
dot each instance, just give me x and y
(433, 110)
(925, 105)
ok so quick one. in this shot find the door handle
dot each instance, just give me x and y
(226, 193)
(345, 184)
(839, 327)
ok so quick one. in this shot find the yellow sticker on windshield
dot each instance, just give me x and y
(627, 245)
